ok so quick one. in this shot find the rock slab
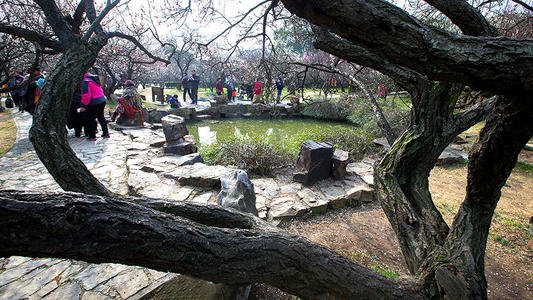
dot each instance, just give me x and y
(181, 147)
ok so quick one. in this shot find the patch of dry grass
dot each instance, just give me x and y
(8, 132)
(509, 249)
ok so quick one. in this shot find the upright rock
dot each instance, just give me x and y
(174, 128)
(237, 191)
(314, 162)
(178, 141)
(339, 162)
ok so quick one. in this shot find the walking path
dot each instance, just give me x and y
(38, 278)
(131, 163)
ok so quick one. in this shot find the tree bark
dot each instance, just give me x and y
(48, 133)
(108, 229)
(465, 16)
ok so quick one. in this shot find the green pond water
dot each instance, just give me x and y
(286, 133)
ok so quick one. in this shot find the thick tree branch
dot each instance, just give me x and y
(333, 44)
(31, 36)
(106, 229)
(500, 65)
(57, 21)
(493, 157)
(470, 117)
(209, 215)
(77, 17)
(465, 16)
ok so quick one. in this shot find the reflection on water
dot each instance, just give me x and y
(206, 136)
(209, 132)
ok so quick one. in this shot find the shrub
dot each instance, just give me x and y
(330, 109)
(261, 155)
(255, 155)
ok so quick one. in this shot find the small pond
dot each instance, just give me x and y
(288, 134)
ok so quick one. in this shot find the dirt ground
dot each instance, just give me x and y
(365, 235)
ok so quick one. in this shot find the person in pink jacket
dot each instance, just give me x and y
(93, 101)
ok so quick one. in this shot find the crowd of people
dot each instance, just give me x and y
(89, 101)
(25, 89)
(253, 91)
(88, 106)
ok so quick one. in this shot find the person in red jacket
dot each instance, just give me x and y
(257, 91)
(93, 101)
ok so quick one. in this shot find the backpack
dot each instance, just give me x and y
(9, 103)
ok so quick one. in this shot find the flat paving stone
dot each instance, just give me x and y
(199, 175)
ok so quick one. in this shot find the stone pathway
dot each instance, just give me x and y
(131, 163)
(37, 278)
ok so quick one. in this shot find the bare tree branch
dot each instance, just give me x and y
(525, 5)
(95, 23)
(138, 44)
(31, 36)
(244, 17)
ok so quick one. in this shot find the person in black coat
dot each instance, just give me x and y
(194, 83)
(76, 119)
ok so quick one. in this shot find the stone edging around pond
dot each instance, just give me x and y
(238, 110)
(182, 178)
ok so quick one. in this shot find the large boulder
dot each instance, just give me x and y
(452, 156)
(188, 113)
(237, 192)
(198, 175)
(154, 115)
(339, 162)
(174, 128)
(314, 162)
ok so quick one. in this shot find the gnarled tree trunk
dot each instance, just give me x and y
(402, 176)
(48, 133)
(459, 270)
